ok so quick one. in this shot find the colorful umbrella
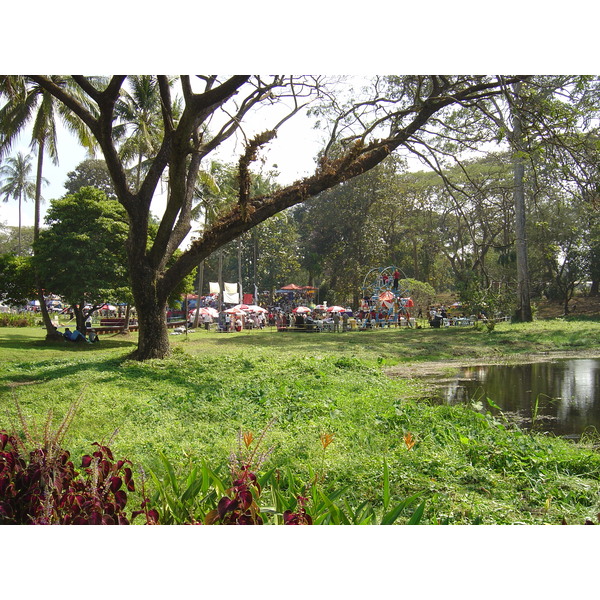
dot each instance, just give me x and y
(208, 310)
(336, 309)
(255, 308)
(301, 309)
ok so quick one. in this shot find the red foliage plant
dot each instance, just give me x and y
(43, 487)
(300, 517)
(239, 506)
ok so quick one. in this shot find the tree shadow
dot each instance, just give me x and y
(51, 352)
(18, 343)
(116, 368)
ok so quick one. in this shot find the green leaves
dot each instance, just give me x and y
(390, 517)
(17, 284)
(184, 499)
(82, 252)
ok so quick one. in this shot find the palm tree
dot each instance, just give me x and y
(206, 191)
(26, 103)
(140, 127)
(19, 184)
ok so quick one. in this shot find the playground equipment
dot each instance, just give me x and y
(380, 293)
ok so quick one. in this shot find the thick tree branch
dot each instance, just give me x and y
(67, 99)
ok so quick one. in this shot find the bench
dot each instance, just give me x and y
(112, 321)
(117, 325)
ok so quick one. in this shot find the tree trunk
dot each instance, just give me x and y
(240, 290)
(416, 270)
(254, 266)
(524, 313)
(125, 329)
(51, 332)
(220, 279)
(523, 301)
(567, 298)
(19, 234)
(200, 286)
(79, 318)
(153, 341)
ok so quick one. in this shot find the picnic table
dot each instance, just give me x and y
(114, 325)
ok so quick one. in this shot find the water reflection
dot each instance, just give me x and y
(562, 396)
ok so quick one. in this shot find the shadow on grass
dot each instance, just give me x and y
(52, 353)
(22, 341)
(109, 364)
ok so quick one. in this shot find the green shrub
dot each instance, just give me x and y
(20, 320)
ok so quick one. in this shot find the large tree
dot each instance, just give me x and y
(17, 284)
(28, 104)
(91, 172)
(80, 255)
(528, 119)
(362, 133)
(9, 239)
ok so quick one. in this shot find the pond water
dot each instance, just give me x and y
(562, 396)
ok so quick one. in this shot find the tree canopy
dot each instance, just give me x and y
(90, 173)
(363, 128)
(17, 284)
(81, 254)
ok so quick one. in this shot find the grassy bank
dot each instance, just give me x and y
(469, 467)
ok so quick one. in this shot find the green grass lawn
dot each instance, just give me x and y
(469, 467)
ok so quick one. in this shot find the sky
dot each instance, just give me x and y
(293, 152)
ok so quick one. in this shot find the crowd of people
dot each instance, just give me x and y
(237, 321)
(438, 315)
(296, 310)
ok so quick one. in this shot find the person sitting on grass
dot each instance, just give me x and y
(73, 336)
(93, 337)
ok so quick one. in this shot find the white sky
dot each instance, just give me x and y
(293, 151)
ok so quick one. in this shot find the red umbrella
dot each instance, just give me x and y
(208, 310)
(241, 307)
(301, 309)
(336, 309)
(256, 308)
